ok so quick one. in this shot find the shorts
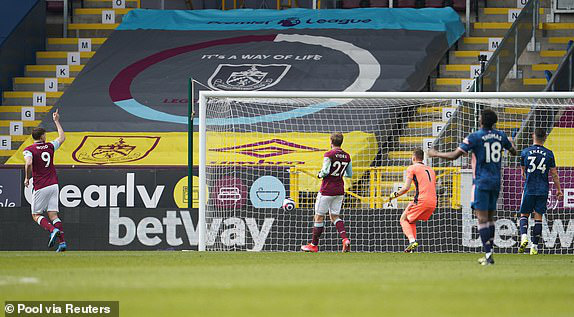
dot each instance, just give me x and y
(330, 204)
(45, 199)
(533, 203)
(484, 200)
(419, 211)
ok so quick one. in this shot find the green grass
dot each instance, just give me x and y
(295, 284)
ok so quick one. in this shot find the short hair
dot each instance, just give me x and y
(337, 139)
(37, 133)
(540, 133)
(419, 154)
(488, 118)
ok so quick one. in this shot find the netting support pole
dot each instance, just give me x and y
(201, 225)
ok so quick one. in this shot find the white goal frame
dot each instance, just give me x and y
(204, 95)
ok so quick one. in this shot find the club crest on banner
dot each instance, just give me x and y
(114, 149)
(247, 76)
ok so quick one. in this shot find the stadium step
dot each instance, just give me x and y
(511, 3)
(108, 3)
(557, 29)
(537, 70)
(456, 70)
(94, 15)
(28, 126)
(495, 29)
(16, 98)
(71, 44)
(60, 58)
(18, 109)
(474, 43)
(447, 84)
(6, 123)
(91, 29)
(501, 14)
(535, 82)
(5, 155)
(37, 83)
(49, 70)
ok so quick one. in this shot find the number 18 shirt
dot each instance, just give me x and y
(487, 148)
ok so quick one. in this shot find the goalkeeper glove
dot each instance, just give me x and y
(394, 195)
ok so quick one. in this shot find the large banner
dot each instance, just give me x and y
(138, 79)
(145, 209)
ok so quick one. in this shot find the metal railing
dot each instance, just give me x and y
(544, 115)
(505, 58)
(563, 77)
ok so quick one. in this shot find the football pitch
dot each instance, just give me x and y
(295, 284)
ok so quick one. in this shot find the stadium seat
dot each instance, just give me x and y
(434, 3)
(379, 3)
(351, 4)
(55, 6)
(459, 5)
(405, 3)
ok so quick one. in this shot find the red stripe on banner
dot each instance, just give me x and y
(120, 85)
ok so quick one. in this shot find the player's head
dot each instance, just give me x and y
(539, 135)
(488, 118)
(39, 134)
(418, 155)
(337, 139)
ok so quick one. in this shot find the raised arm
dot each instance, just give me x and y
(556, 179)
(61, 135)
(446, 155)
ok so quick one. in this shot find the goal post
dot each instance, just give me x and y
(257, 148)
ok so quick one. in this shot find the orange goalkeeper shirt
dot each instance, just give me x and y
(425, 183)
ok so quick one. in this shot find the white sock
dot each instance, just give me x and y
(488, 255)
(524, 236)
(412, 240)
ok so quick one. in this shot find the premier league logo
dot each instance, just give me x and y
(247, 76)
(289, 22)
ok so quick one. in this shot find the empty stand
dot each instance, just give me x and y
(56, 68)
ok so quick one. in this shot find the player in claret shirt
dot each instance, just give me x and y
(487, 146)
(536, 161)
(39, 159)
(336, 164)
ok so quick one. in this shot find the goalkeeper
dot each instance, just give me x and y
(424, 203)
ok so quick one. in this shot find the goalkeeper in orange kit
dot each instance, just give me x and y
(424, 203)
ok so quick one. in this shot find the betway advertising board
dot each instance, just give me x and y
(110, 209)
(147, 209)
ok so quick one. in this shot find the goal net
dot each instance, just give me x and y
(259, 148)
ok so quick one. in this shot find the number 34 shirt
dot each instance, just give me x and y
(336, 163)
(487, 147)
(537, 161)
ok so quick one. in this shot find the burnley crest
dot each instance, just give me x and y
(247, 76)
